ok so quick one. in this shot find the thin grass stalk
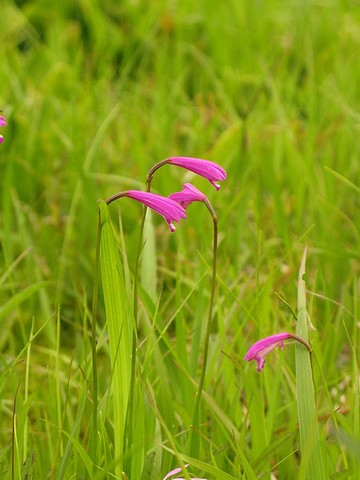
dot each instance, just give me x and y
(94, 342)
(26, 393)
(13, 437)
(59, 446)
(356, 366)
(171, 438)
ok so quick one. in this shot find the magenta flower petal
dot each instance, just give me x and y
(205, 168)
(2, 124)
(260, 349)
(188, 194)
(179, 470)
(174, 472)
(166, 207)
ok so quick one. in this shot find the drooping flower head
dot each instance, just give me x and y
(188, 194)
(260, 349)
(205, 168)
(2, 124)
(166, 207)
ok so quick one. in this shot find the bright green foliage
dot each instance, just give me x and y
(120, 325)
(96, 92)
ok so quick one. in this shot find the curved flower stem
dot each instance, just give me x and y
(116, 196)
(152, 170)
(302, 341)
(195, 415)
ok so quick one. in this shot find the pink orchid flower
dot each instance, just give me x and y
(2, 124)
(205, 168)
(170, 210)
(261, 348)
(179, 470)
(188, 194)
(166, 207)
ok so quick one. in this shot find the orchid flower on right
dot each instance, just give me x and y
(205, 168)
(212, 171)
(261, 348)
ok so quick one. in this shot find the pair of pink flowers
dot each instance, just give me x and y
(2, 124)
(172, 208)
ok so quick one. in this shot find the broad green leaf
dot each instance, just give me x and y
(120, 323)
(312, 462)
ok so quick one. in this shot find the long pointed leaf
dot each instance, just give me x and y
(120, 323)
(312, 463)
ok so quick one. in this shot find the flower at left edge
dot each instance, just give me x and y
(2, 124)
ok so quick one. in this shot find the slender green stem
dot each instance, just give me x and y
(195, 417)
(93, 336)
(287, 305)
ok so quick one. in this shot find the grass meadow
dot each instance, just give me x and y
(95, 93)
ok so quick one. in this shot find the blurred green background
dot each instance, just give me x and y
(96, 92)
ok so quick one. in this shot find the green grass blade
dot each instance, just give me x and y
(81, 451)
(73, 441)
(205, 467)
(343, 179)
(119, 323)
(21, 297)
(312, 462)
